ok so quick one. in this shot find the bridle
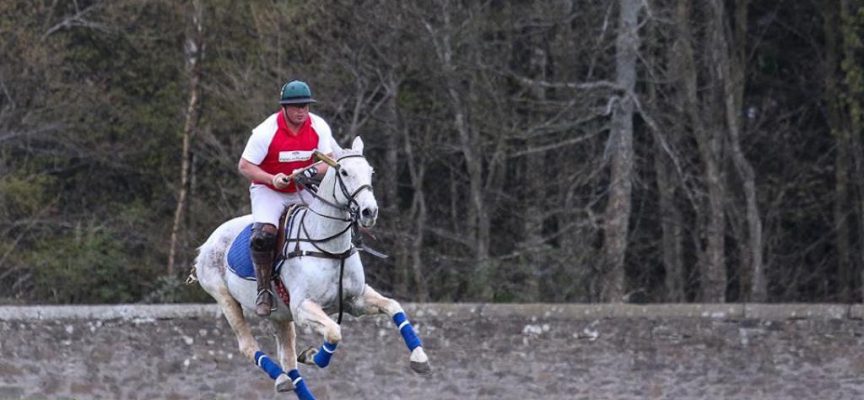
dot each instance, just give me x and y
(352, 208)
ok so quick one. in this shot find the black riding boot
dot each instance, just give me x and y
(262, 244)
(263, 261)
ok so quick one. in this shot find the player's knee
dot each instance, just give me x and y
(263, 237)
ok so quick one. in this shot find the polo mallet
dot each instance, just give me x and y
(325, 158)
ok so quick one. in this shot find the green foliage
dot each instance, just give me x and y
(169, 289)
(90, 266)
(23, 196)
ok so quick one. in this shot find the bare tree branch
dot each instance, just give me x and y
(78, 20)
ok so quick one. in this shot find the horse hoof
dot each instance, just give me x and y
(421, 368)
(284, 384)
(307, 356)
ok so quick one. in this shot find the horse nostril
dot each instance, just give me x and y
(371, 212)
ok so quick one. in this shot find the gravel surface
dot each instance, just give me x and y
(514, 353)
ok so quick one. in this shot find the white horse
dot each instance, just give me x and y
(322, 273)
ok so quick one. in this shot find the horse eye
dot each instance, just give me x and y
(344, 172)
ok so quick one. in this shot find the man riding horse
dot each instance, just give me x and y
(280, 146)
(322, 274)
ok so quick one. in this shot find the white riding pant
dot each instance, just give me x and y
(268, 204)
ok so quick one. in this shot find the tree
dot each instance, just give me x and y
(621, 145)
(193, 52)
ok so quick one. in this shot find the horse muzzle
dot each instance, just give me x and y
(368, 216)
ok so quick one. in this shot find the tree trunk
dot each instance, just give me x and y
(732, 65)
(671, 225)
(711, 147)
(665, 141)
(531, 58)
(478, 223)
(419, 216)
(851, 22)
(194, 50)
(621, 140)
(708, 132)
(389, 182)
(833, 100)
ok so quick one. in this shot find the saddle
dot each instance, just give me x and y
(238, 257)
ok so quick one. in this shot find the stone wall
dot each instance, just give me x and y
(478, 351)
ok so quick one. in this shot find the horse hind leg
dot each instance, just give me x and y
(285, 346)
(249, 347)
(371, 302)
(285, 343)
(234, 315)
(311, 313)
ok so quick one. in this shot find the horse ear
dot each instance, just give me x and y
(357, 145)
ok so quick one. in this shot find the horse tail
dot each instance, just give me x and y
(193, 276)
(193, 271)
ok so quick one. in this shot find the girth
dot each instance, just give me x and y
(336, 256)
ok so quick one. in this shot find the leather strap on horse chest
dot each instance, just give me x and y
(336, 256)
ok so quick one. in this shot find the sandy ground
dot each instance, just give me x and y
(523, 354)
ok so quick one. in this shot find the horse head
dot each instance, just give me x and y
(352, 184)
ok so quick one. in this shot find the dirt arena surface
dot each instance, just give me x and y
(477, 351)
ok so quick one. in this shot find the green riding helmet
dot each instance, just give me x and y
(296, 92)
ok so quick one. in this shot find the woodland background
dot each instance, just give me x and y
(554, 151)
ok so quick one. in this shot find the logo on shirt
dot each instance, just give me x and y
(294, 156)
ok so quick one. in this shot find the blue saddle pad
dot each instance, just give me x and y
(240, 256)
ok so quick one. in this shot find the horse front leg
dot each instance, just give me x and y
(372, 302)
(310, 313)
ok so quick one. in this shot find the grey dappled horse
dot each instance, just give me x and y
(318, 241)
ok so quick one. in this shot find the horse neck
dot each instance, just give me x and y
(320, 227)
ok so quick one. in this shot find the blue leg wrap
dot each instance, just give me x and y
(300, 388)
(265, 363)
(322, 358)
(407, 331)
